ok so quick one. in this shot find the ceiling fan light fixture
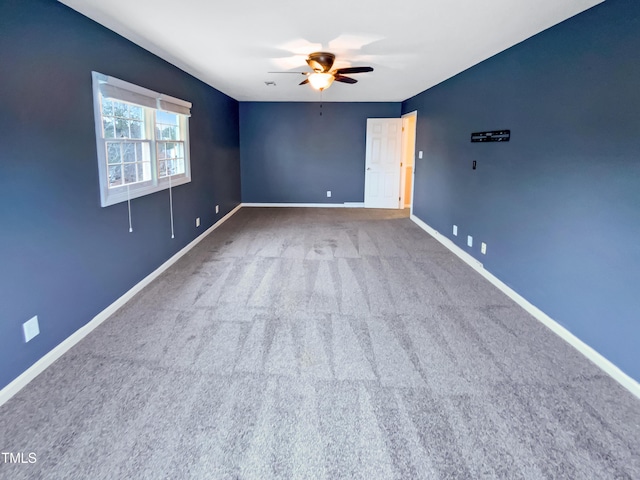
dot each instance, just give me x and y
(321, 81)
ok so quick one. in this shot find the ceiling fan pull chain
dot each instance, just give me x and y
(320, 102)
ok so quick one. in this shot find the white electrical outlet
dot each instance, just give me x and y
(483, 248)
(198, 222)
(420, 154)
(30, 328)
(328, 193)
(455, 230)
(469, 241)
(217, 208)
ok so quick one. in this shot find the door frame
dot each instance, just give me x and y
(407, 133)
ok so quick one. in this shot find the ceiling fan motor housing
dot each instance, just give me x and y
(321, 62)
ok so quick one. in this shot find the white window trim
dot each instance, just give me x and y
(151, 102)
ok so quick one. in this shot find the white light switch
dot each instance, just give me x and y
(198, 222)
(455, 230)
(30, 328)
(328, 193)
(217, 208)
(420, 154)
(469, 241)
(483, 248)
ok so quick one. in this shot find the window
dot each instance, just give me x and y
(142, 139)
(170, 144)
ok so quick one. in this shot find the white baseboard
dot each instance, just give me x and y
(37, 368)
(308, 205)
(599, 360)
(297, 205)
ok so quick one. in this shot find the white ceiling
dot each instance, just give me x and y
(412, 45)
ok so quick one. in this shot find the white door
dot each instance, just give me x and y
(382, 164)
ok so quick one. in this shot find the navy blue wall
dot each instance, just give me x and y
(63, 257)
(292, 154)
(559, 205)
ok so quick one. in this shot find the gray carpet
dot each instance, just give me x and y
(328, 344)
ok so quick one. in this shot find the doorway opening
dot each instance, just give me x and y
(390, 162)
(409, 121)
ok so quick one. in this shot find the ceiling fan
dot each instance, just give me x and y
(322, 76)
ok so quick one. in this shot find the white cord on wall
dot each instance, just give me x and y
(129, 207)
(171, 206)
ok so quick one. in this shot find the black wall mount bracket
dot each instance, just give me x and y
(493, 136)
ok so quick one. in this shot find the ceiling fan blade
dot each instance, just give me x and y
(300, 73)
(343, 79)
(304, 81)
(354, 70)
